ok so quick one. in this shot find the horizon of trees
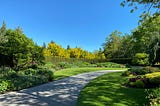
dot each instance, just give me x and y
(143, 44)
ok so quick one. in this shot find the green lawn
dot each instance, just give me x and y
(74, 71)
(107, 90)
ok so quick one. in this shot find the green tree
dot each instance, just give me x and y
(146, 38)
(17, 47)
(3, 39)
(112, 45)
(148, 4)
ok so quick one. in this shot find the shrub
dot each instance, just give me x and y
(127, 73)
(4, 84)
(138, 71)
(63, 65)
(141, 59)
(155, 80)
(121, 60)
(153, 77)
(139, 83)
(154, 96)
(46, 73)
(30, 71)
(151, 69)
(50, 65)
(110, 65)
(26, 81)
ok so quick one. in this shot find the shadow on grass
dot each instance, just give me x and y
(107, 91)
(62, 92)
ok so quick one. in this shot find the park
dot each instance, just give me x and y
(125, 71)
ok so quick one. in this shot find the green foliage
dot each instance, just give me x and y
(49, 65)
(56, 60)
(127, 73)
(11, 80)
(148, 4)
(138, 71)
(109, 65)
(62, 63)
(121, 60)
(139, 83)
(141, 59)
(143, 70)
(111, 47)
(154, 96)
(145, 39)
(150, 80)
(3, 86)
(18, 51)
(154, 78)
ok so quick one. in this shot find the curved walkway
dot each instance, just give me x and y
(62, 92)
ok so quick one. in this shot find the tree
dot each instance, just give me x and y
(112, 45)
(19, 49)
(146, 38)
(3, 39)
(55, 50)
(44, 45)
(75, 52)
(68, 47)
(148, 4)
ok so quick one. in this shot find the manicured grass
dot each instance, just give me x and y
(74, 71)
(107, 90)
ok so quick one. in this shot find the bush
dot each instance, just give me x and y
(155, 80)
(110, 65)
(63, 65)
(49, 65)
(127, 73)
(154, 96)
(22, 82)
(30, 71)
(151, 69)
(121, 60)
(138, 71)
(46, 73)
(139, 83)
(141, 59)
(4, 84)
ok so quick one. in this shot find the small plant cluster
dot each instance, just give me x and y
(143, 77)
(11, 80)
(140, 71)
(146, 77)
(154, 96)
(80, 64)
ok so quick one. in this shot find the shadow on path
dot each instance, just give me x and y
(63, 92)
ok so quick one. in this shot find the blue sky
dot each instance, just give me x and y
(81, 23)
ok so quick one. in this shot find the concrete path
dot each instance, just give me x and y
(63, 92)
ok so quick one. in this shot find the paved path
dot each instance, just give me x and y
(63, 92)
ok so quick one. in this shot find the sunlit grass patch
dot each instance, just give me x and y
(107, 90)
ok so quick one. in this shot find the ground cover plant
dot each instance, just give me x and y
(10, 80)
(108, 90)
(145, 78)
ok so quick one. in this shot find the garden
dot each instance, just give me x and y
(24, 64)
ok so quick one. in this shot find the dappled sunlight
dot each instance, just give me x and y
(62, 92)
(108, 91)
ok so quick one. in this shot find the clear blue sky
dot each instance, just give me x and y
(81, 23)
